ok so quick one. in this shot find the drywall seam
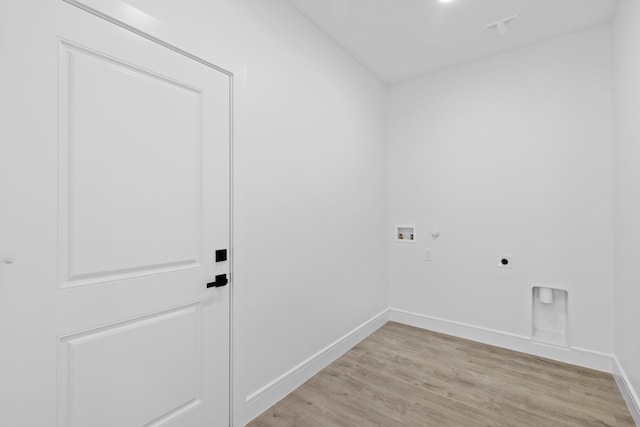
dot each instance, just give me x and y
(573, 355)
(260, 400)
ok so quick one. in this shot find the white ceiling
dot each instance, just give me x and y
(401, 39)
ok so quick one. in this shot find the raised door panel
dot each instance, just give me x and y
(142, 372)
(131, 170)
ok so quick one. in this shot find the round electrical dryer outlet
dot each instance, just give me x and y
(505, 261)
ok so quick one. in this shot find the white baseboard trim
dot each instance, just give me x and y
(628, 393)
(573, 355)
(262, 399)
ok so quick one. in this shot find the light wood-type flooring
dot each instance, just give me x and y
(405, 376)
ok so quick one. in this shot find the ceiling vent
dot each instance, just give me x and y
(501, 25)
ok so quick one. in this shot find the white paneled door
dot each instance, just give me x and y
(115, 198)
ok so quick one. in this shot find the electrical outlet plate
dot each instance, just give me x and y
(427, 255)
(505, 261)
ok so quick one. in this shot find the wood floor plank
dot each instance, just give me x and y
(406, 376)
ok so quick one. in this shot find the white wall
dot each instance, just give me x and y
(310, 202)
(626, 184)
(508, 155)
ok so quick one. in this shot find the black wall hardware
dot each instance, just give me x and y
(504, 261)
(221, 280)
(221, 255)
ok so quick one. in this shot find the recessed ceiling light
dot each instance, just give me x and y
(445, 1)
